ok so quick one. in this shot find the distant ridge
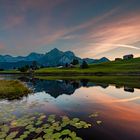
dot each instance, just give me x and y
(53, 58)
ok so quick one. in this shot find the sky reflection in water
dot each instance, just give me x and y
(119, 109)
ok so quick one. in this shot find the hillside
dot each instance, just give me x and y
(113, 67)
(123, 67)
(132, 65)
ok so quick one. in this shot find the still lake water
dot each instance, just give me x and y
(118, 107)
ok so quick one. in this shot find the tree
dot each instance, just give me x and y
(75, 62)
(24, 68)
(34, 65)
(66, 65)
(42, 66)
(84, 65)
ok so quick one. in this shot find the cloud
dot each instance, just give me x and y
(50, 38)
(13, 21)
(126, 46)
(51, 35)
(19, 12)
(2, 45)
(122, 32)
(99, 36)
(106, 47)
(38, 26)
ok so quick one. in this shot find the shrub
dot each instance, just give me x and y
(75, 62)
(84, 65)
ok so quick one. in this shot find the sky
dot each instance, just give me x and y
(89, 28)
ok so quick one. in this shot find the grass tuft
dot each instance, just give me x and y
(12, 89)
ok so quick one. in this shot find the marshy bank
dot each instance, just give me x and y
(12, 89)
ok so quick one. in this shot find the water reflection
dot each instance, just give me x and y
(58, 87)
(128, 89)
(55, 88)
(119, 110)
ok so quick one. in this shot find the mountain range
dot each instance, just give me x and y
(52, 58)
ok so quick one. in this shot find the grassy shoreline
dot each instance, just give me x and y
(130, 81)
(69, 73)
(12, 89)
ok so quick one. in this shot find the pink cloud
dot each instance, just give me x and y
(50, 36)
(46, 5)
(13, 21)
(102, 33)
(42, 33)
(20, 10)
(1, 45)
(118, 33)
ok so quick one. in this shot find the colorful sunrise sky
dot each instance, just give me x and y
(90, 28)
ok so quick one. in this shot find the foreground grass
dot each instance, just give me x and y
(130, 81)
(12, 89)
(114, 67)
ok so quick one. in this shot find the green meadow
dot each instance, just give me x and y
(131, 66)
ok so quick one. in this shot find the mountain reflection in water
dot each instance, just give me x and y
(58, 87)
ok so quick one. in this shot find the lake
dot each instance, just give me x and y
(118, 107)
